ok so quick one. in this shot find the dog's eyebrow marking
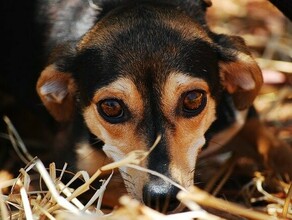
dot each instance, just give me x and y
(121, 85)
(184, 78)
(180, 78)
(122, 88)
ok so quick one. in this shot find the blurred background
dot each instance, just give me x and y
(269, 35)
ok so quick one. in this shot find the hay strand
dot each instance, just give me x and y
(203, 198)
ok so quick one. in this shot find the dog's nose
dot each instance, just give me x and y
(160, 195)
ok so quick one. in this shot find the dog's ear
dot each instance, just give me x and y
(57, 91)
(239, 72)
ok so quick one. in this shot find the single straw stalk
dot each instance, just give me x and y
(203, 198)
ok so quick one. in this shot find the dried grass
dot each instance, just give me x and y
(54, 199)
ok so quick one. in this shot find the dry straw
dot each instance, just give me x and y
(57, 200)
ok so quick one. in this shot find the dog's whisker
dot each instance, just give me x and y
(217, 143)
(192, 171)
(97, 141)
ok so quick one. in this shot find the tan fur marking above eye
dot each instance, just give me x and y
(121, 138)
(188, 136)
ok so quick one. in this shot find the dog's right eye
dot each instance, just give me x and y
(193, 102)
(112, 110)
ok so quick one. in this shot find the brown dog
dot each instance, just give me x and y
(142, 69)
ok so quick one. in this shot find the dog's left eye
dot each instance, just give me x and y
(112, 110)
(193, 102)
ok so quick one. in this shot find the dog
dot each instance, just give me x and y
(122, 73)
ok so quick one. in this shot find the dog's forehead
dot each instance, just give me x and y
(147, 44)
(142, 16)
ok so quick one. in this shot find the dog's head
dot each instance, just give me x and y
(146, 70)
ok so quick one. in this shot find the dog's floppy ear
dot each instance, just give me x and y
(239, 72)
(57, 91)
